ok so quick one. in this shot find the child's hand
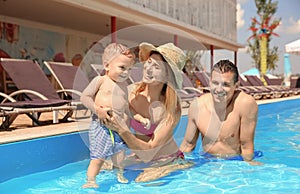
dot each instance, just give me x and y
(103, 113)
(146, 123)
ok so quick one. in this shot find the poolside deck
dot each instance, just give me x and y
(22, 128)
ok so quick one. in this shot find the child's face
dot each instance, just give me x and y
(119, 68)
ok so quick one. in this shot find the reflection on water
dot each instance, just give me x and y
(215, 176)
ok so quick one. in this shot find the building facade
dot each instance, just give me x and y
(66, 30)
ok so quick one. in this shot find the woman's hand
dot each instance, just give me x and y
(116, 124)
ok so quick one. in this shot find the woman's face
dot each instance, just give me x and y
(155, 70)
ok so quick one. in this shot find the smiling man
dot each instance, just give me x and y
(225, 118)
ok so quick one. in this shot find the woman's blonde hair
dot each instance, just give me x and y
(171, 100)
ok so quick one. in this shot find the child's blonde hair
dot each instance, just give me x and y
(115, 49)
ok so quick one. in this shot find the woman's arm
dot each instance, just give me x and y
(145, 150)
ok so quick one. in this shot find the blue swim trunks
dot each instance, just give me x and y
(206, 155)
(101, 144)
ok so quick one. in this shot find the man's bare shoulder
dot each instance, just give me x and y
(200, 102)
(243, 97)
(204, 99)
(245, 100)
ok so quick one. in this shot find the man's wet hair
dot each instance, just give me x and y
(224, 66)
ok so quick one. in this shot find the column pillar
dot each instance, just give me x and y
(113, 29)
(211, 56)
(175, 39)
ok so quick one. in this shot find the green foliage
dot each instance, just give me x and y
(193, 62)
(265, 11)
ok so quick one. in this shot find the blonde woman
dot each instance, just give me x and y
(154, 150)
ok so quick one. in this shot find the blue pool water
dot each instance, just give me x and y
(58, 164)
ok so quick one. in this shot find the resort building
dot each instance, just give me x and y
(65, 30)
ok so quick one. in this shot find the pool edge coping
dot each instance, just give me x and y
(80, 126)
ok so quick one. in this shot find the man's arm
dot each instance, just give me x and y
(192, 132)
(247, 129)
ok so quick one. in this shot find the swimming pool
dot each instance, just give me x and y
(58, 164)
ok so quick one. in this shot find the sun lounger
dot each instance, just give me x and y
(277, 83)
(98, 68)
(188, 86)
(136, 74)
(35, 92)
(273, 81)
(256, 91)
(10, 109)
(276, 91)
(203, 78)
(71, 79)
(295, 85)
(188, 91)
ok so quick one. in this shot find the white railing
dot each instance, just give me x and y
(215, 16)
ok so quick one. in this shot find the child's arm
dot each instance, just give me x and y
(144, 121)
(88, 96)
(133, 114)
(89, 93)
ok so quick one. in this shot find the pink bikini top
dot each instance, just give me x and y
(139, 127)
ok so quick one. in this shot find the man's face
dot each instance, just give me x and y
(222, 86)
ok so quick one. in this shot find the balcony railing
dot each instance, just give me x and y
(214, 16)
